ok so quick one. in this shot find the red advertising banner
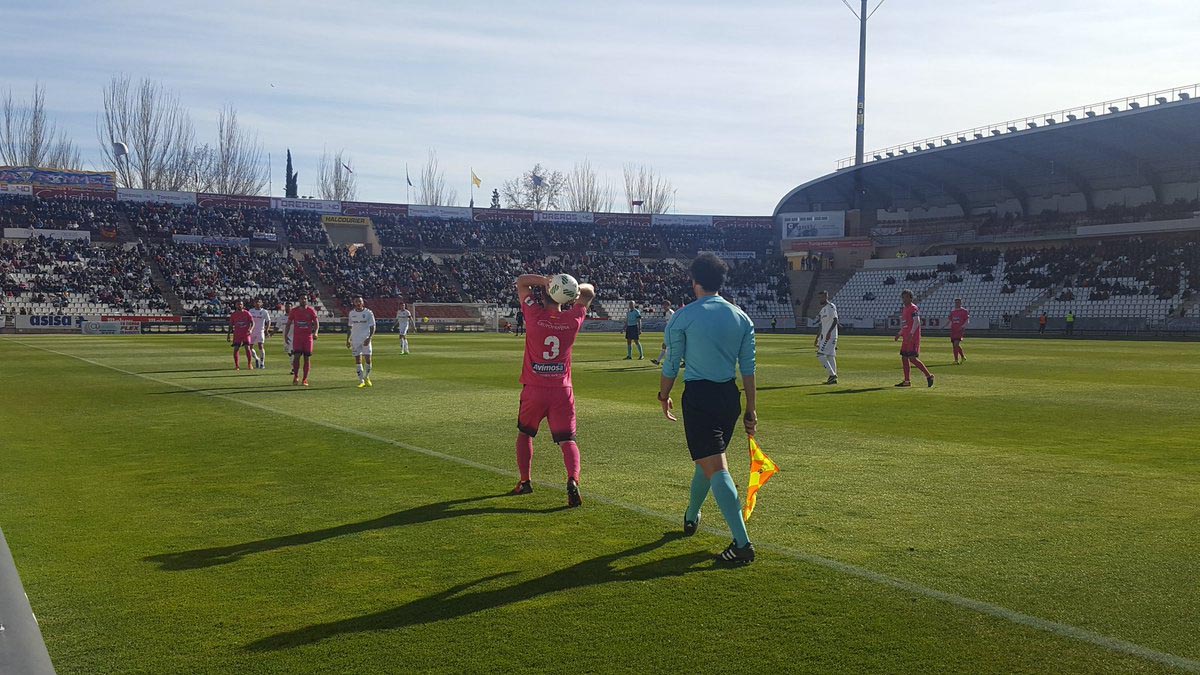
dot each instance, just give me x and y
(373, 209)
(635, 219)
(744, 221)
(233, 201)
(66, 192)
(491, 215)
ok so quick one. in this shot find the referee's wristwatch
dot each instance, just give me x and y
(662, 398)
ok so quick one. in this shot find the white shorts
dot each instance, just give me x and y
(258, 338)
(403, 329)
(827, 348)
(360, 349)
(287, 343)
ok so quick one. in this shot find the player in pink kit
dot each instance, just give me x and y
(959, 318)
(304, 326)
(550, 331)
(240, 323)
(910, 332)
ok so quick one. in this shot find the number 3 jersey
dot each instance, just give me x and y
(549, 336)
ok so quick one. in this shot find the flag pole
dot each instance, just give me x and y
(407, 186)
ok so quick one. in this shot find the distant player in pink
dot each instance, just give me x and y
(959, 318)
(550, 331)
(910, 333)
(304, 326)
(240, 323)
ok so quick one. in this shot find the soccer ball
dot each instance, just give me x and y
(563, 288)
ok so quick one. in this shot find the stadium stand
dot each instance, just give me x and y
(62, 214)
(55, 276)
(157, 221)
(394, 274)
(209, 279)
(433, 235)
(303, 227)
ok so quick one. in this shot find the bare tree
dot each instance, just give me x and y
(536, 190)
(235, 165)
(335, 178)
(156, 129)
(432, 188)
(644, 185)
(29, 138)
(586, 191)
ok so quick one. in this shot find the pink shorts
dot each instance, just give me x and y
(910, 348)
(554, 404)
(302, 345)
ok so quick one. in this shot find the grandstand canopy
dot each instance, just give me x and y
(1091, 149)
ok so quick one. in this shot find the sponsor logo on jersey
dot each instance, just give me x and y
(555, 326)
(549, 368)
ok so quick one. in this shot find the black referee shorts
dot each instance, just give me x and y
(710, 412)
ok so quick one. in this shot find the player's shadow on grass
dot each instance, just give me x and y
(790, 386)
(455, 602)
(223, 555)
(225, 391)
(848, 391)
(186, 370)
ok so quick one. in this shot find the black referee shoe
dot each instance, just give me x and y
(734, 556)
(690, 526)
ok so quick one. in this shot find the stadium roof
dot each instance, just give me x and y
(1150, 140)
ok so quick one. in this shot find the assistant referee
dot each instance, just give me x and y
(714, 337)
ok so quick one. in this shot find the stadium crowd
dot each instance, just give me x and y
(52, 271)
(56, 214)
(204, 277)
(394, 274)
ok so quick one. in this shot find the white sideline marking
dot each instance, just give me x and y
(1030, 621)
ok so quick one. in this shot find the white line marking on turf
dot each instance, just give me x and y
(1030, 621)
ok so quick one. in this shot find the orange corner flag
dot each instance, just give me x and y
(761, 470)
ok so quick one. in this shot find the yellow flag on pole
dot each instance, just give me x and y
(761, 470)
(475, 179)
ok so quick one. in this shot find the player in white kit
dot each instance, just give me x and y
(362, 329)
(668, 312)
(258, 333)
(827, 335)
(404, 319)
(281, 318)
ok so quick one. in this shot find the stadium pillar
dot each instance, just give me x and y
(862, 84)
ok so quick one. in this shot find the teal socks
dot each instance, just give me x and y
(725, 492)
(700, 485)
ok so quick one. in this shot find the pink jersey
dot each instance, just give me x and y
(241, 321)
(958, 320)
(910, 331)
(304, 322)
(549, 336)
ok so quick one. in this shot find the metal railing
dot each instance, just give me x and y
(1065, 116)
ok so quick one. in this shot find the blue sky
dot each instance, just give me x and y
(735, 102)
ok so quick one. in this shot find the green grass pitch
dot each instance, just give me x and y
(1036, 511)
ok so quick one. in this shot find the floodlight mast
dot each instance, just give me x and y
(860, 123)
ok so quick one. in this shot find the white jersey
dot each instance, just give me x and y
(261, 319)
(361, 323)
(828, 319)
(403, 319)
(281, 326)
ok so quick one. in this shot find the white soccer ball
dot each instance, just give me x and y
(563, 288)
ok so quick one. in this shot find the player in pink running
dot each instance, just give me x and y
(959, 318)
(910, 332)
(240, 323)
(550, 331)
(304, 326)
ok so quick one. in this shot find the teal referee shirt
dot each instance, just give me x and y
(714, 336)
